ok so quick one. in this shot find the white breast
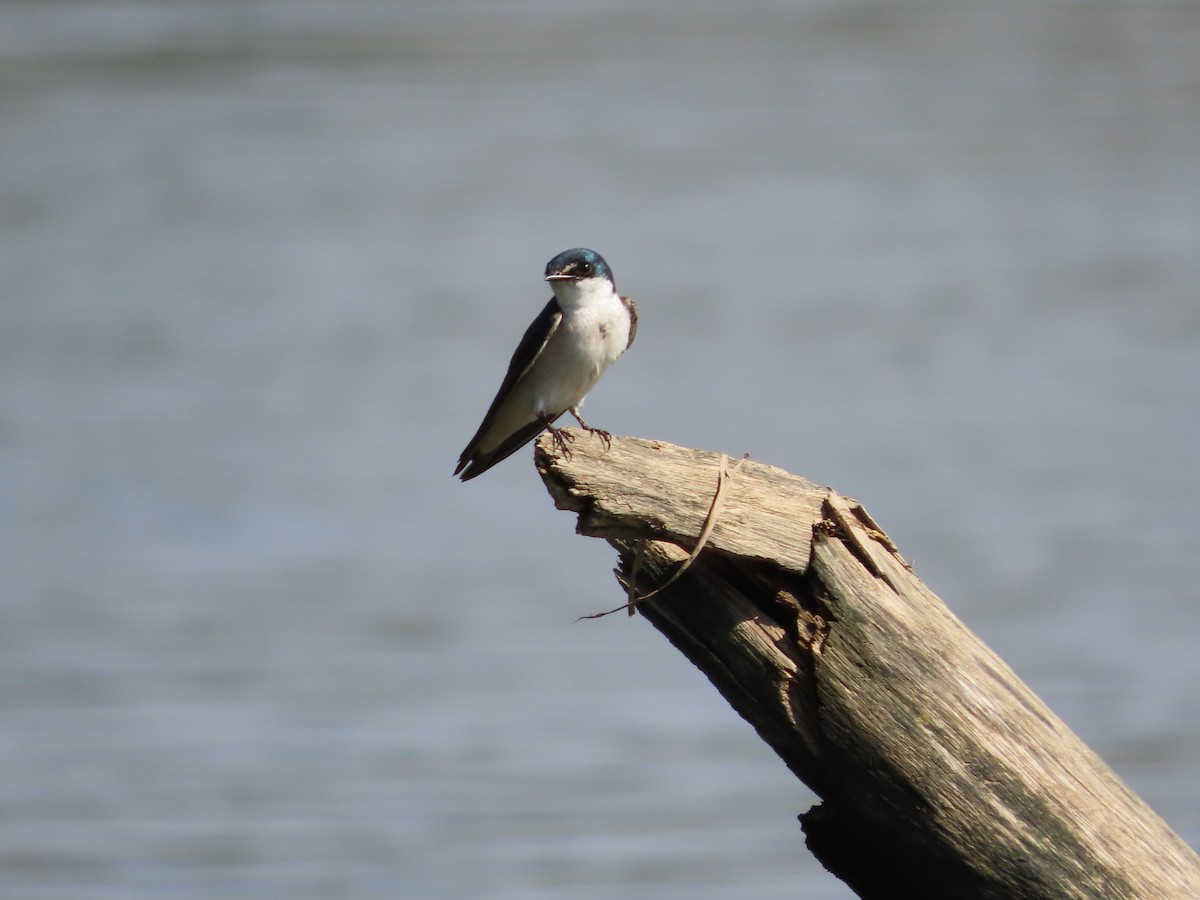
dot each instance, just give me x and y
(593, 333)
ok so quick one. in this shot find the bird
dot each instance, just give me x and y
(578, 334)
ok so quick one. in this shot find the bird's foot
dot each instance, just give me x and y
(605, 437)
(562, 439)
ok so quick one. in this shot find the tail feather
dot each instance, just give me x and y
(474, 463)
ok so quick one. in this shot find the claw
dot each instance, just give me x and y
(560, 438)
(561, 441)
(605, 437)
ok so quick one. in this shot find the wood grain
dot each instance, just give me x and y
(940, 773)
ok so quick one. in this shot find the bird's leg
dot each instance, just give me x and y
(561, 438)
(598, 432)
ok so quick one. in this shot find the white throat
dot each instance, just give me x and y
(576, 295)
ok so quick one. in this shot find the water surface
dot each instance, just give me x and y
(264, 264)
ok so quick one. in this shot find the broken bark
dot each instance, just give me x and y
(940, 773)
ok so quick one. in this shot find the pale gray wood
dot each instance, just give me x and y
(941, 774)
(671, 497)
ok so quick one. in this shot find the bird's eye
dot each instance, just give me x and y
(586, 268)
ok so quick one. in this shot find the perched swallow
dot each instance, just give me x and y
(580, 333)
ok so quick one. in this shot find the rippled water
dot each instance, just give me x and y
(263, 265)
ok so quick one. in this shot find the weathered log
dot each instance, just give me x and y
(940, 773)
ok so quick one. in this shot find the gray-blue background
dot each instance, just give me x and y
(261, 268)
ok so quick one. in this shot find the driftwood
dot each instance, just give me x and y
(940, 773)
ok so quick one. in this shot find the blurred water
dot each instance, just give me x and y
(263, 265)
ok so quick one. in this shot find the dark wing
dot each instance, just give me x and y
(481, 462)
(526, 354)
(632, 307)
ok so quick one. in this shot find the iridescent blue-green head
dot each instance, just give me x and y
(578, 264)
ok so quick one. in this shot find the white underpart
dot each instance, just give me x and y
(594, 331)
